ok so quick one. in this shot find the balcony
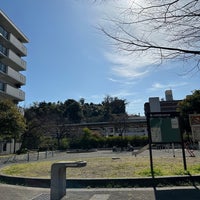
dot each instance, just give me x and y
(13, 77)
(13, 61)
(12, 93)
(11, 28)
(14, 44)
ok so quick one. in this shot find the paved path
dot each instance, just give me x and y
(11, 192)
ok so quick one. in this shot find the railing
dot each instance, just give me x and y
(27, 157)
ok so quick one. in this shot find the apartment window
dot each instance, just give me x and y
(3, 67)
(4, 32)
(5, 147)
(2, 86)
(3, 50)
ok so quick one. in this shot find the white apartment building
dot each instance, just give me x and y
(12, 51)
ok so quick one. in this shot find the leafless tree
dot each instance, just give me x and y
(169, 29)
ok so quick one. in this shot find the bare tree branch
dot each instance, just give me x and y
(144, 45)
(177, 22)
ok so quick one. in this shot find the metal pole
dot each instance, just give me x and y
(183, 146)
(173, 149)
(38, 154)
(28, 157)
(150, 142)
(184, 158)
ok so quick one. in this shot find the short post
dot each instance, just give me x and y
(38, 154)
(28, 156)
(58, 177)
(173, 150)
(46, 153)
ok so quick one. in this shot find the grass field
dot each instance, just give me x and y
(108, 167)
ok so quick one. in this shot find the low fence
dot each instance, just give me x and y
(29, 156)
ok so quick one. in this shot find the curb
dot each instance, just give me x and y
(106, 183)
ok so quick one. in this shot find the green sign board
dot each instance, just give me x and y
(165, 129)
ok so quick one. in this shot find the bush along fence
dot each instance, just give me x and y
(109, 142)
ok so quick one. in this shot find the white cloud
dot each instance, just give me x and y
(136, 64)
(128, 66)
(122, 81)
(96, 98)
(123, 64)
(158, 86)
(122, 94)
(127, 71)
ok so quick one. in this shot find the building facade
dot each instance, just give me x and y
(167, 105)
(12, 51)
(132, 126)
(12, 64)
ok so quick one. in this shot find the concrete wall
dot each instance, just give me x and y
(18, 44)
(17, 93)
(8, 147)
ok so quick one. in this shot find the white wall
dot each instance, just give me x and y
(9, 147)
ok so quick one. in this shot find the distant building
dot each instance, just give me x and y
(167, 105)
(168, 95)
(8, 147)
(12, 50)
(132, 126)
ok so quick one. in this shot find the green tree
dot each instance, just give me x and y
(118, 106)
(12, 122)
(89, 139)
(113, 106)
(190, 105)
(92, 112)
(73, 111)
(51, 119)
(43, 119)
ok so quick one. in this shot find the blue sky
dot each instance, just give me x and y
(69, 58)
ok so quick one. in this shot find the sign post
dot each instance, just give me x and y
(164, 127)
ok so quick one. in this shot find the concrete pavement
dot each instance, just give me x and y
(13, 192)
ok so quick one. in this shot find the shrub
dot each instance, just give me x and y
(64, 144)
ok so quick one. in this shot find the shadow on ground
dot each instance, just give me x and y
(177, 194)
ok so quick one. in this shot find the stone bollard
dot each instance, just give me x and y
(58, 177)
